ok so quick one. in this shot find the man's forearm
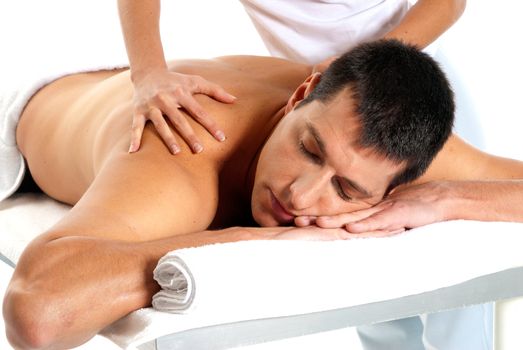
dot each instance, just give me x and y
(426, 21)
(140, 21)
(429, 202)
(496, 200)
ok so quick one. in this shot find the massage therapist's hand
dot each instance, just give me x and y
(159, 94)
(408, 207)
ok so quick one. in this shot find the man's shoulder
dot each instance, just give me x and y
(460, 161)
(244, 69)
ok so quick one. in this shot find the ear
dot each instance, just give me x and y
(303, 91)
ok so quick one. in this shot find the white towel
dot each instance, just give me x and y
(234, 282)
(64, 38)
(13, 100)
(12, 103)
(23, 217)
(177, 284)
(257, 279)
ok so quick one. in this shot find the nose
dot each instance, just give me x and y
(308, 188)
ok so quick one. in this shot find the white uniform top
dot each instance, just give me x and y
(310, 31)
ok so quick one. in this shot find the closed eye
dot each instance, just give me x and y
(339, 189)
(317, 160)
(312, 156)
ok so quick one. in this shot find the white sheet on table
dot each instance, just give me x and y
(22, 218)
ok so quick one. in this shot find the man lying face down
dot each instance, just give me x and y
(350, 151)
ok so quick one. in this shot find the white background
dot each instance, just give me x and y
(482, 54)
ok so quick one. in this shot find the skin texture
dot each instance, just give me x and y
(129, 210)
(426, 21)
(158, 90)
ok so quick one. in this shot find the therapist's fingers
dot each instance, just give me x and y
(214, 90)
(138, 125)
(199, 85)
(202, 86)
(180, 123)
(201, 116)
(161, 126)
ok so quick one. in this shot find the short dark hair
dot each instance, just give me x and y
(403, 101)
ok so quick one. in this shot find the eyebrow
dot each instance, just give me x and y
(321, 145)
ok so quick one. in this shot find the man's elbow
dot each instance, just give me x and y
(27, 321)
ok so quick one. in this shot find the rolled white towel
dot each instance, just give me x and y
(256, 279)
(177, 284)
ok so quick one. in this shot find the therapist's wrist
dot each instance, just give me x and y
(140, 73)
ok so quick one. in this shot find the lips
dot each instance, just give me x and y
(279, 212)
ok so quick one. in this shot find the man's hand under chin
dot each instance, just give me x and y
(405, 208)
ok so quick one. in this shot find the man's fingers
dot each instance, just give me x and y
(381, 220)
(342, 219)
(376, 233)
(203, 118)
(302, 221)
(137, 132)
(156, 117)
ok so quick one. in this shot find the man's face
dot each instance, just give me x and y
(309, 166)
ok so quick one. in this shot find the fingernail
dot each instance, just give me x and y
(220, 135)
(197, 148)
(132, 148)
(175, 149)
(233, 97)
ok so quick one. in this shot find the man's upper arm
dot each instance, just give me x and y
(459, 160)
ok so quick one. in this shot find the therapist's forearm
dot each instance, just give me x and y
(140, 21)
(427, 20)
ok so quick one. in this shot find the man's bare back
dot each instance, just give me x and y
(79, 124)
